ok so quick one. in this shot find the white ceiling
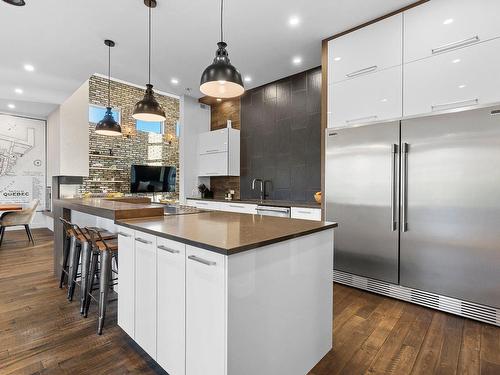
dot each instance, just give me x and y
(64, 42)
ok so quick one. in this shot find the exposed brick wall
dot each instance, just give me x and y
(135, 147)
(220, 113)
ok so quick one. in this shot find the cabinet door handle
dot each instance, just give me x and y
(404, 188)
(362, 71)
(394, 151)
(124, 234)
(450, 105)
(202, 203)
(361, 119)
(201, 260)
(171, 251)
(236, 206)
(211, 151)
(143, 241)
(304, 212)
(460, 43)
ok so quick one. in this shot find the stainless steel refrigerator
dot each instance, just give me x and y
(418, 203)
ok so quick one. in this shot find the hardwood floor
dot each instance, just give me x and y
(42, 333)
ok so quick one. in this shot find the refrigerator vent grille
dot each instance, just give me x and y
(455, 306)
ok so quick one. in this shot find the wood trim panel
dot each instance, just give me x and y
(324, 118)
(413, 5)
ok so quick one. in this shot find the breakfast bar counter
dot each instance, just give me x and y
(219, 293)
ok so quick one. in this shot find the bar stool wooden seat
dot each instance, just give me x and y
(104, 250)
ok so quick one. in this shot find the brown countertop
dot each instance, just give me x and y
(110, 208)
(226, 232)
(266, 202)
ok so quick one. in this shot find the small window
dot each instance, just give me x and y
(149, 127)
(96, 113)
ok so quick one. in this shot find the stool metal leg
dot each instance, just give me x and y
(85, 274)
(90, 283)
(74, 260)
(64, 275)
(104, 283)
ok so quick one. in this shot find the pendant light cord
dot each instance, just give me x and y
(221, 14)
(149, 47)
(109, 76)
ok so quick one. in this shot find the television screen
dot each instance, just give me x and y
(152, 178)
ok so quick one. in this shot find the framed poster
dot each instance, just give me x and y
(22, 160)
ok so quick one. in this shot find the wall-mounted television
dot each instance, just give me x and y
(152, 179)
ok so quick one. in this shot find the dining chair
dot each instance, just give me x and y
(23, 217)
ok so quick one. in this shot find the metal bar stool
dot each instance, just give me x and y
(85, 253)
(104, 251)
(70, 247)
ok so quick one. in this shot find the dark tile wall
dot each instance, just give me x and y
(281, 139)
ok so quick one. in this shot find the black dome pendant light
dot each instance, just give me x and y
(108, 125)
(17, 3)
(148, 109)
(221, 79)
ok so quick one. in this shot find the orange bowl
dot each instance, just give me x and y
(317, 197)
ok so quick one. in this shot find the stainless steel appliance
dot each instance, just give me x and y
(418, 202)
(273, 211)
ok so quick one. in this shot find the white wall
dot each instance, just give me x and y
(68, 137)
(74, 142)
(53, 147)
(194, 119)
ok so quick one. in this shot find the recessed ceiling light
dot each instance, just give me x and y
(219, 99)
(29, 67)
(18, 91)
(337, 58)
(384, 100)
(294, 21)
(297, 60)
(174, 81)
(456, 61)
(11, 106)
(448, 21)
(462, 86)
(248, 79)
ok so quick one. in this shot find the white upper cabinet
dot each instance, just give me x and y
(373, 97)
(214, 141)
(442, 25)
(219, 153)
(460, 78)
(370, 49)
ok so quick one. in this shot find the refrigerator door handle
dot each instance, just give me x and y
(394, 151)
(404, 188)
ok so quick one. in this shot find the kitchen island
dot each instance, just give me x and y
(218, 293)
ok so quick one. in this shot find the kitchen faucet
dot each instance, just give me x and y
(262, 193)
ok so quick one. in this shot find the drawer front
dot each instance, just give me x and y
(306, 213)
(239, 207)
(449, 24)
(372, 48)
(215, 164)
(460, 78)
(371, 98)
(212, 142)
(204, 205)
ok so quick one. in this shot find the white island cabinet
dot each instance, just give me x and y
(208, 310)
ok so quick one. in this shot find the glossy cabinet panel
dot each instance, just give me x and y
(443, 25)
(460, 78)
(372, 48)
(145, 292)
(214, 141)
(306, 213)
(215, 164)
(205, 312)
(372, 98)
(171, 338)
(126, 283)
